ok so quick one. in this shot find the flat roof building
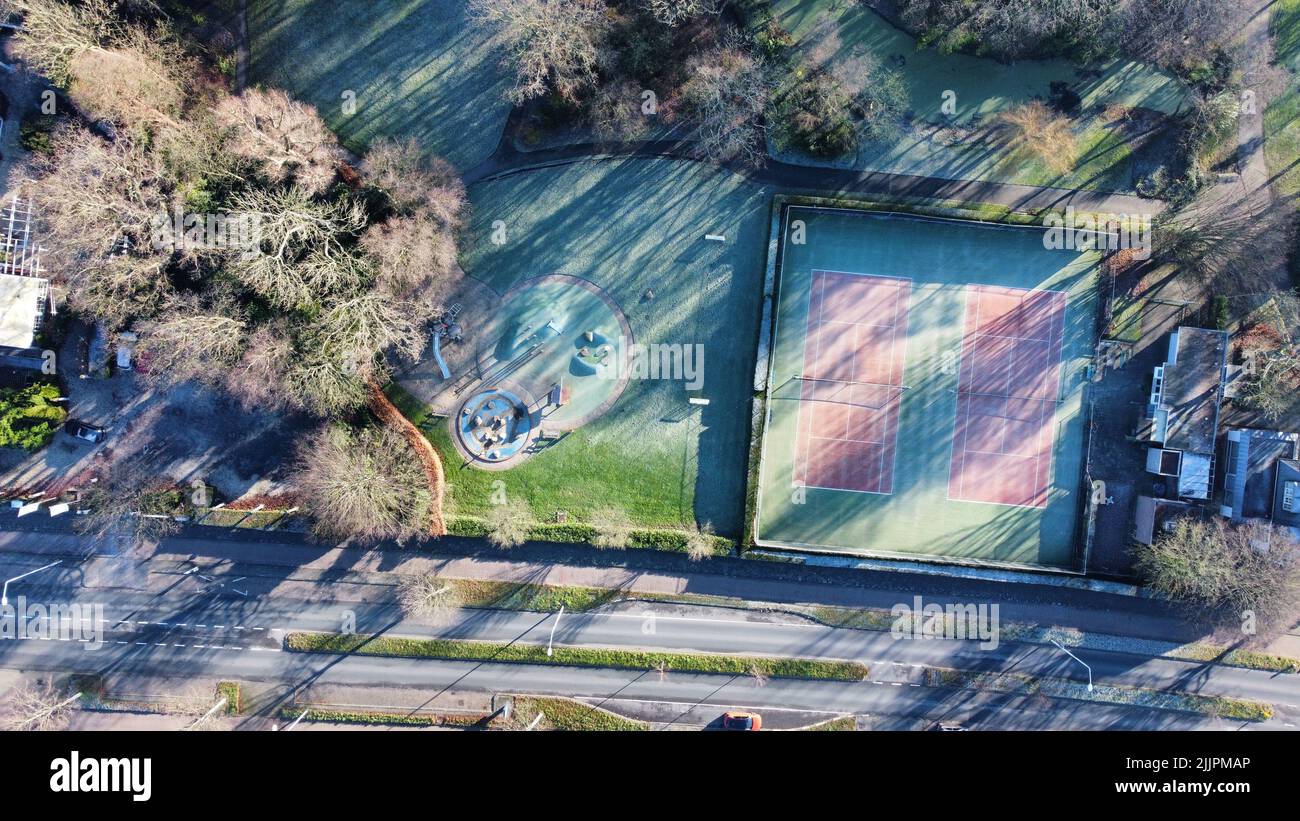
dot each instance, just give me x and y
(1182, 416)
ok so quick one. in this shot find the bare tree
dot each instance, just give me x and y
(302, 255)
(1036, 129)
(125, 72)
(554, 45)
(140, 82)
(615, 111)
(360, 327)
(194, 341)
(675, 12)
(54, 33)
(256, 380)
(364, 484)
(120, 287)
(1222, 244)
(412, 254)
(286, 138)
(414, 182)
(1272, 359)
(1217, 565)
(1175, 33)
(326, 383)
(100, 195)
(699, 542)
(508, 524)
(427, 598)
(119, 520)
(36, 707)
(613, 528)
(725, 98)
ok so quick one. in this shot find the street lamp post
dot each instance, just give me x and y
(1076, 658)
(551, 640)
(4, 595)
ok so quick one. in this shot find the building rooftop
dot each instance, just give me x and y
(1250, 465)
(22, 305)
(1192, 381)
(1286, 494)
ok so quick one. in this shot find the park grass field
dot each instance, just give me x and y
(837, 30)
(628, 226)
(916, 518)
(1282, 117)
(417, 69)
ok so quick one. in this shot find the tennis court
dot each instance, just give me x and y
(926, 390)
(852, 382)
(1006, 396)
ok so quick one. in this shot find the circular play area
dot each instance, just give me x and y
(493, 426)
(551, 359)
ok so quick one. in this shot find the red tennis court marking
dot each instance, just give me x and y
(854, 354)
(1006, 396)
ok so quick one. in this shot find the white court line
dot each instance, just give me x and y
(1057, 299)
(818, 292)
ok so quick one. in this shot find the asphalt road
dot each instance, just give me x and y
(271, 555)
(898, 703)
(191, 622)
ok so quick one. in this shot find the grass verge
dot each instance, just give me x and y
(459, 650)
(230, 691)
(835, 725)
(567, 714)
(1016, 684)
(542, 598)
(383, 718)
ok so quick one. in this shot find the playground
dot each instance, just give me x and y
(617, 249)
(926, 390)
(546, 363)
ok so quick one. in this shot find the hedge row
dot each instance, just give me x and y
(370, 717)
(578, 533)
(459, 650)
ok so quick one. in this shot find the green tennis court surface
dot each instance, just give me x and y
(898, 337)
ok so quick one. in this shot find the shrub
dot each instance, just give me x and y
(1222, 318)
(508, 524)
(28, 416)
(773, 41)
(1034, 128)
(814, 116)
(612, 528)
(34, 135)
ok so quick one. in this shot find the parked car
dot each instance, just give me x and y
(91, 433)
(747, 722)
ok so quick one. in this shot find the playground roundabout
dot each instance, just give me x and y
(550, 359)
